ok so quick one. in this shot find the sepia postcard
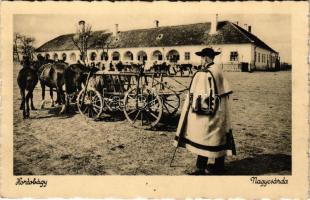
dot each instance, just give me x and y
(154, 99)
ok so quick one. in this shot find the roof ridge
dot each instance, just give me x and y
(235, 26)
(255, 37)
(180, 25)
(102, 31)
(108, 31)
(176, 35)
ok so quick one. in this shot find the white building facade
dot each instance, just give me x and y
(173, 45)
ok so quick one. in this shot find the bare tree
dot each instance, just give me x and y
(27, 46)
(24, 45)
(16, 38)
(81, 39)
(104, 42)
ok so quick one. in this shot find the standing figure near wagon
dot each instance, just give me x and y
(204, 127)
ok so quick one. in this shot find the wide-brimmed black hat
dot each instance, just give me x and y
(207, 52)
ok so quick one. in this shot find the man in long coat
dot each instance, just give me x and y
(204, 127)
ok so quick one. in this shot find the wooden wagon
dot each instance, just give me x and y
(143, 97)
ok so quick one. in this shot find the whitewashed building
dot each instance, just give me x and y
(171, 44)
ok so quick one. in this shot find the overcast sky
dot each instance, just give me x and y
(275, 30)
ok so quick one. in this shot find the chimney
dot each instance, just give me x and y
(82, 25)
(237, 22)
(156, 23)
(214, 22)
(245, 26)
(115, 34)
(250, 29)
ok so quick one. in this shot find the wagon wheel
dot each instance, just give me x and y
(171, 102)
(92, 106)
(143, 107)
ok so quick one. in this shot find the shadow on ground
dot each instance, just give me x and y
(55, 112)
(112, 117)
(261, 164)
(168, 123)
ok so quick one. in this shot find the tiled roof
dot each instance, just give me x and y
(190, 34)
(254, 38)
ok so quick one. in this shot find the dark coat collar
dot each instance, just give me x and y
(208, 65)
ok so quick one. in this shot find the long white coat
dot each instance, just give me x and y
(207, 135)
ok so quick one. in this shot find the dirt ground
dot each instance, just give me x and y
(52, 144)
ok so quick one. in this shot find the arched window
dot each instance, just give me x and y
(104, 56)
(93, 56)
(157, 55)
(116, 55)
(55, 57)
(64, 56)
(128, 55)
(47, 56)
(73, 57)
(173, 56)
(142, 56)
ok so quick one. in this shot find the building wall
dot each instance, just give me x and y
(245, 54)
(265, 59)
(243, 50)
(60, 53)
(228, 61)
(151, 55)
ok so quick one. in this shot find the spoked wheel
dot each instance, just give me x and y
(92, 106)
(143, 107)
(171, 102)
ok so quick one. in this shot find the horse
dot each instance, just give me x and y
(160, 68)
(74, 76)
(27, 79)
(119, 66)
(185, 67)
(123, 67)
(43, 65)
(50, 74)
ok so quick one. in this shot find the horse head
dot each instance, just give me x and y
(40, 58)
(26, 62)
(74, 76)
